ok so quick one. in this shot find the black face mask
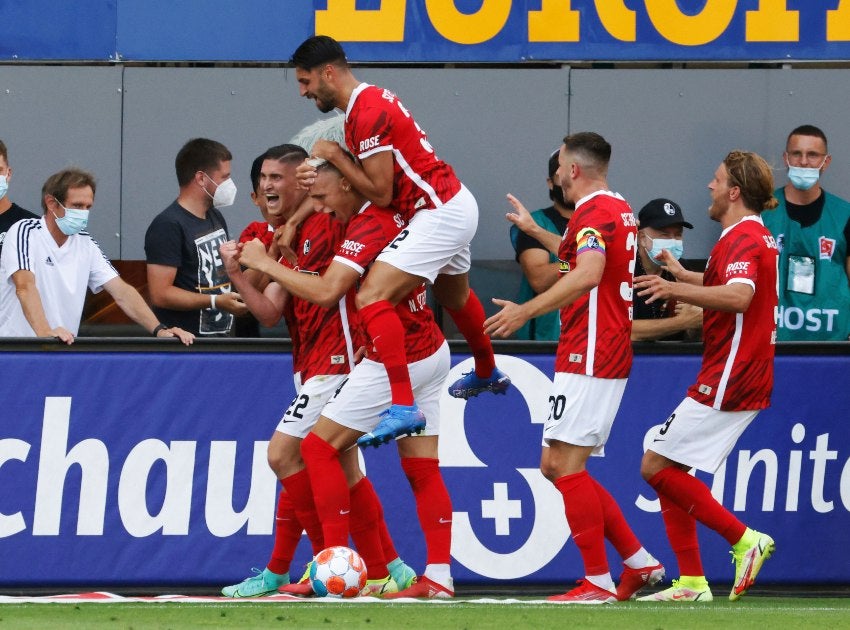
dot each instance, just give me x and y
(556, 194)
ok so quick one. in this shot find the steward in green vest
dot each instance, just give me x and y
(812, 230)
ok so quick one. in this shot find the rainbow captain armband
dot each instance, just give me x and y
(589, 239)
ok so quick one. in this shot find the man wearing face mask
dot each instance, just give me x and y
(48, 263)
(188, 284)
(812, 230)
(661, 226)
(9, 212)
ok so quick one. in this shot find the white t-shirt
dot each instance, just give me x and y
(61, 275)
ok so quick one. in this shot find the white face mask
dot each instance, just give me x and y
(4, 186)
(225, 193)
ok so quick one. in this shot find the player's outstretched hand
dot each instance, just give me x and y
(507, 321)
(653, 288)
(520, 217)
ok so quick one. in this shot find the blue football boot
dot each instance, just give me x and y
(470, 384)
(396, 421)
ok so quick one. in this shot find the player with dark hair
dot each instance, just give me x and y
(738, 295)
(354, 410)
(323, 356)
(397, 169)
(592, 365)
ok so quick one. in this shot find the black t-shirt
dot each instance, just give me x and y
(12, 215)
(524, 241)
(177, 238)
(810, 214)
(655, 310)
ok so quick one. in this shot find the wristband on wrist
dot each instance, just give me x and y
(212, 301)
(159, 327)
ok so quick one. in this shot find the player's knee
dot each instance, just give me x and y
(549, 470)
(649, 465)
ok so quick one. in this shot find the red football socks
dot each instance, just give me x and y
(470, 322)
(287, 534)
(301, 494)
(682, 533)
(433, 506)
(694, 497)
(584, 516)
(365, 531)
(330, 489)
(387, 335)
(617, 529)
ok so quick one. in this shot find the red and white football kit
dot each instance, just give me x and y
(737, 364)
(596, 329)
(375, 121)
(321, 337)
(367, 393)
(258, 229)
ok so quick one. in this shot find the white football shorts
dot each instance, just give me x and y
(367, 393)
(582, 410)
(310, 399)
(699, 436)
(436, 241)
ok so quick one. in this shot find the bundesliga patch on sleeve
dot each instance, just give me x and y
(589, 239)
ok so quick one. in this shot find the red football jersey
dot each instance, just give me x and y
(260, 230)
(368, 233)
(596, 329)
(321, 337)
(737, 361)
(377, 121)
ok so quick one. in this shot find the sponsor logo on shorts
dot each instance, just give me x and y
(704, 389)
(337, 359)
(575, 357)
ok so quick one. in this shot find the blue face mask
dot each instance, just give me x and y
(673, 245)
(4, 186)
(803, 178)
(74, 221)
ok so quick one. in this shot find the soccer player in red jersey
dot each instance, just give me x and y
(739, 294)
(397, 169)
(323, 356)
(592, 364)
(354, 409)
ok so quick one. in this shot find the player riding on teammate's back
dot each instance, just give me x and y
(397, 169)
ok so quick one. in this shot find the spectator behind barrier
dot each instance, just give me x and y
(661, 226)
(47, 264)
(539, 263)
(812, 230)
(9, 212)
(186, 278)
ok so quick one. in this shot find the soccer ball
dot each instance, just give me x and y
(338, 572)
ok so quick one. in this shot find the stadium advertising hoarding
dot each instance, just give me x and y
(411, 31)
(143, 469)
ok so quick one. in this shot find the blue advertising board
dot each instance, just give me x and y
(122, 468)
(412, 31)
